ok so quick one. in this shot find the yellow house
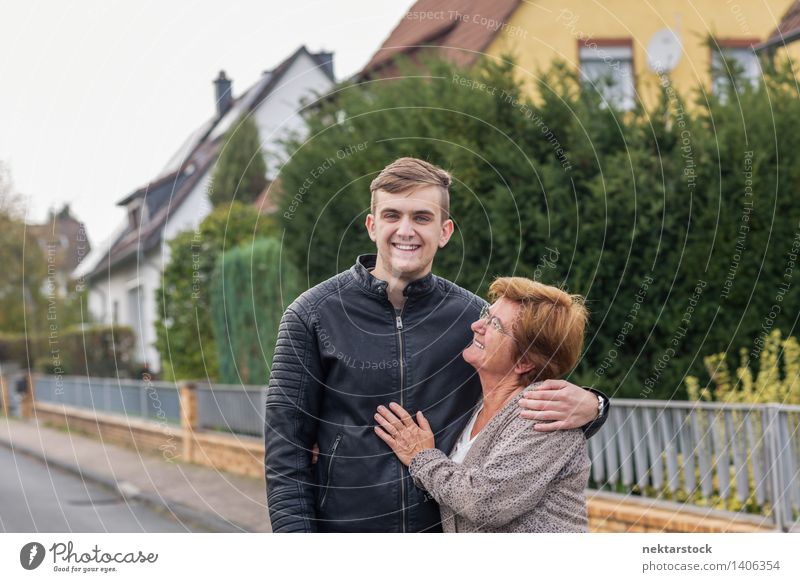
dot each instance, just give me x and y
(624, 48)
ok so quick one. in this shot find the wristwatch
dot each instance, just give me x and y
(601, 405)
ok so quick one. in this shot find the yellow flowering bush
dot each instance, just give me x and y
(777, 379)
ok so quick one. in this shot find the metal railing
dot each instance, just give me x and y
(232, 408)
(134, 398)
(701, 451)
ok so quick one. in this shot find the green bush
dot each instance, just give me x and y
(16, 348)
(184, 333)
(239, 174)
(642, 212)
(775, 380)
(91, 350)
(252, 286)
(99, 350)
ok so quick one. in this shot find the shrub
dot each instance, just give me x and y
(661, 218)
(184, 333)
(776, 379)
(251, 288)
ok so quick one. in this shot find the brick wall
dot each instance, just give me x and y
(154, 437)
(610, 512)
(241, 455)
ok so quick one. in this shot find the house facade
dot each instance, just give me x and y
(123, 276)
(623, 48)
(64, 244)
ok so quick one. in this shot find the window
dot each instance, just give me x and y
(731, 61)
(134, 214)
(607, 67)
(136, 316)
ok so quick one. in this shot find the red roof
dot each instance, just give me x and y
(788, 30)
(458, 30)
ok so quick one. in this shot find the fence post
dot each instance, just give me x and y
(5, 398)
(189, 418)
(774, 458)
(26, 402)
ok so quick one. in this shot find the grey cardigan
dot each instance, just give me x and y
(513, 479)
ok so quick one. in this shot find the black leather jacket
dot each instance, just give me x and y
(341, 351)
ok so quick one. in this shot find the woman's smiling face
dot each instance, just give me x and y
(493, 348)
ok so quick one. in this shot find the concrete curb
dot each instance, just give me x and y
(207, 521)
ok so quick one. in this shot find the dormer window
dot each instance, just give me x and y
(135, 214)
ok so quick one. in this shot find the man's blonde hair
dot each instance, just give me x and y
(550, 327)
(405, 175)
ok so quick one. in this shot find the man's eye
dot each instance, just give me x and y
(390, 216)
(423, 219)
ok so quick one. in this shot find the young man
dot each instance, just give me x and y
(386, 330)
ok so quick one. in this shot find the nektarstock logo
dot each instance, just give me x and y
(31, 555)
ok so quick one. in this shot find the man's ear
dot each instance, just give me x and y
(370, 224)
(447, 232)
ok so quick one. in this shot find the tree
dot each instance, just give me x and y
(251, 287)
(240, 172)
(184, 333)
(677, 223)
(22, 302)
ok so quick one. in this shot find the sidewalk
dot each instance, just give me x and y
(215, 500)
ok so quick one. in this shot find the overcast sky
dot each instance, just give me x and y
(96, 95)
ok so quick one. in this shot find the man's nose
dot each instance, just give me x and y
(477, 325)
(406, 228)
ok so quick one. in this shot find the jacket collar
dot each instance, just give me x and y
(365, 279)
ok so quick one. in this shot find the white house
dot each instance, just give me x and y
(122, 276)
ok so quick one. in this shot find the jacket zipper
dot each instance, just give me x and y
(330, 467)
(402, 403)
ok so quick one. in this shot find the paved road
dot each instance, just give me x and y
(34, 498)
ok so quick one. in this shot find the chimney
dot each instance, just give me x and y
(223, 94)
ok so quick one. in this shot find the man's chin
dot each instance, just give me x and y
(408, 270)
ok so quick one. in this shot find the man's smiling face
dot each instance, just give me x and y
(408, 230)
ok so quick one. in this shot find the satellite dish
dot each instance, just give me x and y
(664, 51)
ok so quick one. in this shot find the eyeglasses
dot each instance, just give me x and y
(494, 322)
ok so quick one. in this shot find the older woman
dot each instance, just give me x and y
(502, 475)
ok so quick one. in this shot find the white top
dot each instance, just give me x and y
(464, 442)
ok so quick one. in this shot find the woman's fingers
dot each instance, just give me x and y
(389, 415)
(405, 417)
(386, 424)
(385, 437)
(423, 422)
